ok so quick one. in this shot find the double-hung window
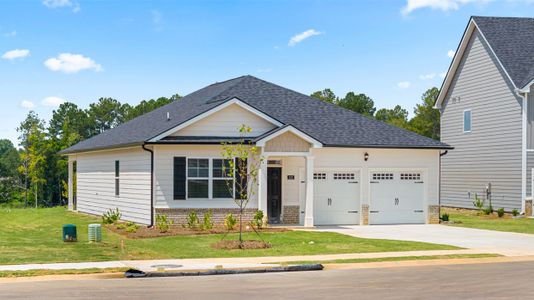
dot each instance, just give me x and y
(198, 177)
(117, 175)
(223, 184)
(209, 178)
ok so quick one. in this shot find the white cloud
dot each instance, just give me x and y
(71, 63)
(10, 34)
(451, 53)
(427, 76)
(442, 74)
(27, 104)
(61, 4)
(17, 53)
(302, 36)
(404, 84)
(444, 5)
(52, 101)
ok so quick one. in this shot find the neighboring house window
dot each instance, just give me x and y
(223, 184)
(197, 178)
(117, 175)
(467, 120)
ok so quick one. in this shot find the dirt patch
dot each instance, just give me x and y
(145, 232)
(234, 244)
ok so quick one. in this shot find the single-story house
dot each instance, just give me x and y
(323, 165)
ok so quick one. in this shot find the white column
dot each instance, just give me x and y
(262, 188)
(70, 183)
(308, 213)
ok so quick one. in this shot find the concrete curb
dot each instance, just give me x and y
(297, 268)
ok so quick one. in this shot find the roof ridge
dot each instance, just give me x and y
(499, 17)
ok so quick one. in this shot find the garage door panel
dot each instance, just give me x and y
(396, 198)
(336, 197)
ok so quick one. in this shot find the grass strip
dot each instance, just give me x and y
(42, 272)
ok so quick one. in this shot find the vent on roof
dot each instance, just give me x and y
(168, 116)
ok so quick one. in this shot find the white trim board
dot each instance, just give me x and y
(217, 108)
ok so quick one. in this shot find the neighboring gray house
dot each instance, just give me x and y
(487, 114)
(322, 164)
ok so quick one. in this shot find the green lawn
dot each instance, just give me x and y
(473, 219)
(34, 236)
(383, 259)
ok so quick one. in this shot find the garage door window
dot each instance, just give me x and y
(410, 176)
(382, 176)
(319, 176)
(343, 176)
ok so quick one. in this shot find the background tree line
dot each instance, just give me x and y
(34, 174)
(425, 120)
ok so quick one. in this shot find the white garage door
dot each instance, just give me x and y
(336, 197)
(397, 197)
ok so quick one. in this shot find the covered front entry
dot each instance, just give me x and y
(397, 197)
(336, 197)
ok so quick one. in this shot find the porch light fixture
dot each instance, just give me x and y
(366, 156)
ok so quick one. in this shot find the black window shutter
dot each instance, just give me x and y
(179, 178)
(241, 182)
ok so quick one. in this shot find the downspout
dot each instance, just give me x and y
(151, 184)
(439, 181)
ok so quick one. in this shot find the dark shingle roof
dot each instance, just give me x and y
(328, 123)
(512, 40)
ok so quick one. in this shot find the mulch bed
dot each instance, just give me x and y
(145, 232)
(234, 244)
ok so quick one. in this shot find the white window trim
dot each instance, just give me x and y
(470, 121)
(210, 179)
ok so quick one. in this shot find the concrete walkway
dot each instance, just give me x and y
(228, 263)
(483, 241)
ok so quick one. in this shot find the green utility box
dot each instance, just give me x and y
(69, 233)
(95, 233)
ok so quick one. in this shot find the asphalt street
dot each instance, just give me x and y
(474, 281)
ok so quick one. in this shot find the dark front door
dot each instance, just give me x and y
(274, 194)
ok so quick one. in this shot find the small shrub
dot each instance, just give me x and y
(500, 212)
(121, 226)
(229, 222)
(131, 227)
(163, 223)
(192, 220)
(515, 212)
(258, 219)
(478, 202)
(207, 220)
(445, 217)
(111, 216)
(488, 210)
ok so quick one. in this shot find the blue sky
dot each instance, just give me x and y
(78, 51)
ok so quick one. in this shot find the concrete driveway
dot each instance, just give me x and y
(488, 241)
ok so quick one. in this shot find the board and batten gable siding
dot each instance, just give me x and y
(491, 152)
(287, 142)
(164, 177)
(96, 183)
(227, 122)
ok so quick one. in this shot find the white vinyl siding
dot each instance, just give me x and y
(163, 176)
(227, 122)
(492, 151)
(96, 183)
